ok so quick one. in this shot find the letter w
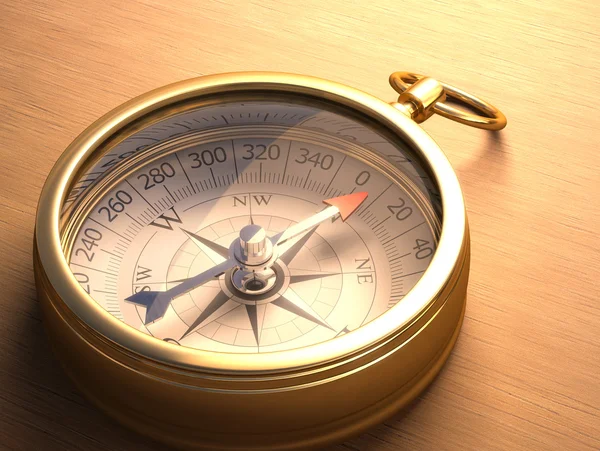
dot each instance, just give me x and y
(262, 199)
(164, 220)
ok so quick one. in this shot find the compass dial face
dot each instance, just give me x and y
(223, 185)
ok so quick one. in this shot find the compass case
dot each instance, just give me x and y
(300, 399)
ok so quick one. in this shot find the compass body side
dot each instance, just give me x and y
(187, 415)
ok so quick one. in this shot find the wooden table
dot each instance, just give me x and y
(524, 374)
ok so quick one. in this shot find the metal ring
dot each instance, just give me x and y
(491, 118)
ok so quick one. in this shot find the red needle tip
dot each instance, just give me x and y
(347, 204)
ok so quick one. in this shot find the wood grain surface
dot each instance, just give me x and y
(524, 374)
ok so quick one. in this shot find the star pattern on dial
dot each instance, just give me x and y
(221, 304)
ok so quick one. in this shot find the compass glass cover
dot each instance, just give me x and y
(174, 197)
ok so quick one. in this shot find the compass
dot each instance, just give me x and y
(257, 261)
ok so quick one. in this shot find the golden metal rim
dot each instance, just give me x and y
(334, 352)
(491, 118)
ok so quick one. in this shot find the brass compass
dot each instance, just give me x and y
(255, 261)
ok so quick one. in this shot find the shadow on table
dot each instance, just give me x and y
(48, 410)
(491, 161)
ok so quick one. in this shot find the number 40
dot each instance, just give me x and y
(423, 251)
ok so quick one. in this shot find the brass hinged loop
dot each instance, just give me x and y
(422, 96)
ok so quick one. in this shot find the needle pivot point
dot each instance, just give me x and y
(254, 246)
(253, 240)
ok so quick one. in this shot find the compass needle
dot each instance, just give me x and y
(287, 253)
(157, 302)
(343, 206)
